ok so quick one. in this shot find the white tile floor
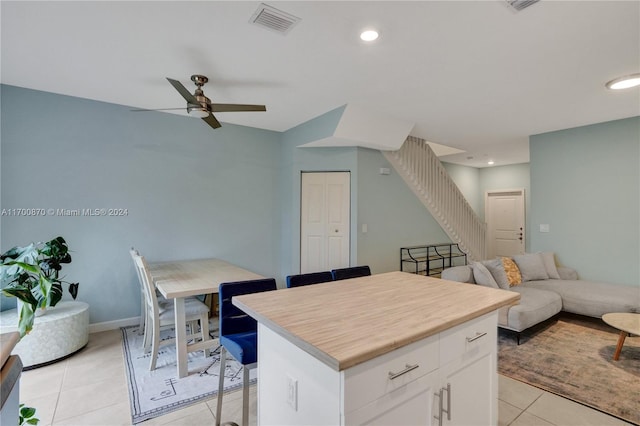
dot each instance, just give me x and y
(90, 388)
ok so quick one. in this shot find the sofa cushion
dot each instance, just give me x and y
(482, 276)
(535, 306)
(512, 271)
(462, 274)
(566, 273)
(549, 260)
(531, 266)
(590, 298)
(497, 271)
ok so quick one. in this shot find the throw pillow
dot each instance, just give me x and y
(482, 275)
(512, 271)
(497, 271)
(531, 267)
(549, 261)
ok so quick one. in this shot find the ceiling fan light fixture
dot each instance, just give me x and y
(199, 112)
(625, 82)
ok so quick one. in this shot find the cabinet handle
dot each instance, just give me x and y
(476, 337)
(405, 371)
(448, 410)
(440, 406)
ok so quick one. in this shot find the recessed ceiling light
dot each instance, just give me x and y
(369, 35)
(625, 82)
(490, 162)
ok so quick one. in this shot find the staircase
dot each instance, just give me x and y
(428, 179)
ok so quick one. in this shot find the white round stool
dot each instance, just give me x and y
(61, 331)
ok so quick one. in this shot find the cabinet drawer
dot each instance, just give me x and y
(370, 380)
(409, 405)
(468, 339)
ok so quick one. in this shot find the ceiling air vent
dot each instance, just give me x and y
(274, 19)
(521, 4)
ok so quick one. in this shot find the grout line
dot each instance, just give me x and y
(534, 401)
(64, 376)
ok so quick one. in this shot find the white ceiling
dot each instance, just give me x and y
(473, 75)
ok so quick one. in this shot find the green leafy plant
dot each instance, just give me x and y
(26, 416)
(31, 274)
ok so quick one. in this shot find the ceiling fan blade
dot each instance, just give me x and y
(211, 121)
(183, 91)
(157, 109)
(236, 107)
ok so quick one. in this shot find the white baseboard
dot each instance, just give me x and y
(113, 325)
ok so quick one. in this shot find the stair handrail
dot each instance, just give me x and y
(423, 172)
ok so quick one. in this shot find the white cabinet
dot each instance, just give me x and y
(467, 396)
(449, 377)
(411, 404)
(468, 372)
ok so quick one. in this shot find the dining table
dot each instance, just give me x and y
(177, 280)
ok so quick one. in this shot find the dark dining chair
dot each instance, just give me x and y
(239, 336)
(310, 278)
(352, 272)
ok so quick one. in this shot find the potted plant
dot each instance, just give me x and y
(31, 274)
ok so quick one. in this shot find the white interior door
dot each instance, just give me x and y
(504, 214)
(324, 221)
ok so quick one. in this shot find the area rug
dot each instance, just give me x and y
(572, 356)
(158, 392)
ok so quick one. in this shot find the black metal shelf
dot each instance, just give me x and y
(431, 259)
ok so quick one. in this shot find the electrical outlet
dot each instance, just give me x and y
(292, 392)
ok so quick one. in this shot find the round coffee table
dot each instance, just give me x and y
(627, 323)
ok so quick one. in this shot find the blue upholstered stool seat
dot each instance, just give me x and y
(239, 336)
(242, 346)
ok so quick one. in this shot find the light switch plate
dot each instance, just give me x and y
(544, 227)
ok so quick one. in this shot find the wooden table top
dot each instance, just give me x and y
(193, 277)
(628, 322)
(344, 323)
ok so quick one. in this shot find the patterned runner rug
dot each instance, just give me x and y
(158, 392)
(572, 356)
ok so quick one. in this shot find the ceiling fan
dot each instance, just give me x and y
(198, 105)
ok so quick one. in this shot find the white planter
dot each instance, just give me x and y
(61, 331)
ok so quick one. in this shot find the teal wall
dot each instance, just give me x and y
(474, 183)
(585, 184)
(189, 191)
(234, 193)
(394, 216)
(296, 160)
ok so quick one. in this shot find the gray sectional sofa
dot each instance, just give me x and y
(545, 290)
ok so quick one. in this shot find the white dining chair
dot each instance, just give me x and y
(143, 310)
(163, 305)
(195, 311)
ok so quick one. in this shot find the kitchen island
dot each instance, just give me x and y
(393, 348)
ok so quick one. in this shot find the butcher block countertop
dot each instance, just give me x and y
(8, 341)
(345, 323)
